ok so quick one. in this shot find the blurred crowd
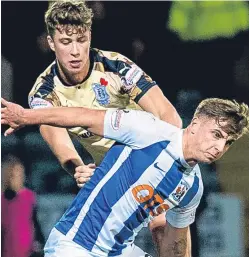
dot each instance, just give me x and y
(193, 50)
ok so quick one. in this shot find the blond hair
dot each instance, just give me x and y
(235, 115)
(68, 16)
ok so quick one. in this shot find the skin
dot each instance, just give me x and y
(203, 141)
(72, 54)
(206, 141)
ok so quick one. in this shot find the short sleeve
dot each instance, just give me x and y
(181, 217)
(43, 95)
(38, 103)
(137, 129)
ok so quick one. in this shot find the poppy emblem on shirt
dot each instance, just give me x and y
(103, 82)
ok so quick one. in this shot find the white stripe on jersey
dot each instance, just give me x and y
(124, 155)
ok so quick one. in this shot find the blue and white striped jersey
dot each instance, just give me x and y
(144, 174)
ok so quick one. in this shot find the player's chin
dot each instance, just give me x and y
(207, 159)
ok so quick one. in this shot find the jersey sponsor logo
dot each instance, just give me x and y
(116, 119)
(101, 93)
(156, 166)
(133, 75)
(180, 191)
(149, 199)
(37, 103)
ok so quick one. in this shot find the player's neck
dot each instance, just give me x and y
(187, 148)
(73, 79)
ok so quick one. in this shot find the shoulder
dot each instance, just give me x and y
(108, 55)
(113, 61)
(44, 84)
(43, 93)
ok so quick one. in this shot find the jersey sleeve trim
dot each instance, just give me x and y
(144, 85)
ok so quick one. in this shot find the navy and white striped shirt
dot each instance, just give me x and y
(141, 176)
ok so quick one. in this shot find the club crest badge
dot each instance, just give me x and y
(180, 191)
(100, 92)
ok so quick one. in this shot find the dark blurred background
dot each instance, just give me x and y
(193, 50)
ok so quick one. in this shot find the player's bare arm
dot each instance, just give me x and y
(57, 139)
(61, 145)
(170, 241)
(16, 117)
(160, 221)
(161, 108)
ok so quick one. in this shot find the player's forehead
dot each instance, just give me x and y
(68, 31)
(213, 125)
(219, 126)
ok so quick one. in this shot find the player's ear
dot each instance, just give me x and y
(51, 42)
(194, 125)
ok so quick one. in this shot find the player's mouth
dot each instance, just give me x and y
(211, 156)
(75, 63)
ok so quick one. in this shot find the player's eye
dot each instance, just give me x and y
(65, 42)
(82, 40)
(216, 134)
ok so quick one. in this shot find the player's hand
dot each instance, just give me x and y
(83, 174)
(158, 221)
(12, 115)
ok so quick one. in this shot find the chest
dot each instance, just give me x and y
(163, 187)
(100, 91)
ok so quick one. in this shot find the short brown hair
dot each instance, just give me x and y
(68, 16)
(236, 115)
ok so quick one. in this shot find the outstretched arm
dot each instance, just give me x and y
(125, 126)
(17, 117)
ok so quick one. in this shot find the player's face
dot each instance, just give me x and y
(72, 51)
(210, 141)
